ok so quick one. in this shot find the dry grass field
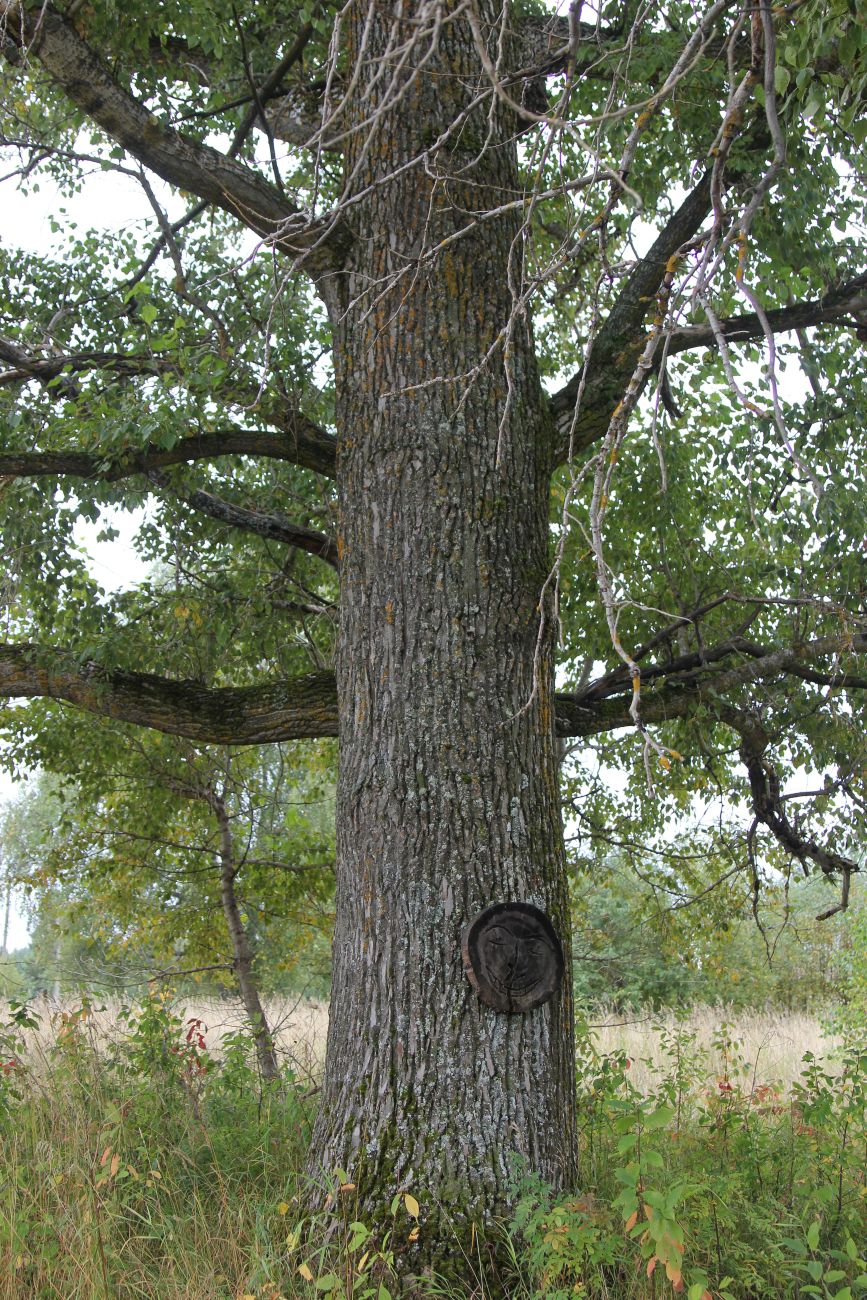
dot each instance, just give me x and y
(772, 1043)
(131, 1171)
(300, 1026)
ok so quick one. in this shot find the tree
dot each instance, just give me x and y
(460, 204)
(645, 939)
(162, 862)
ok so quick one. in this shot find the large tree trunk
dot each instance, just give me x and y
(448, 791)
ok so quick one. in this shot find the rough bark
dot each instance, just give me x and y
(448, 794)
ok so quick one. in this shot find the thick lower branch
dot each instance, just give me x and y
(306, 707)
(303, 443)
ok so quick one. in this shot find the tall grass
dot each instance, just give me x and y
(773, 1041)
(139, 1157)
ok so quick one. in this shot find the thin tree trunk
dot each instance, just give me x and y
(7, 912)
(241, 949)
(448, 788)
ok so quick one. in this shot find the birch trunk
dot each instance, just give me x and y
(242, 951)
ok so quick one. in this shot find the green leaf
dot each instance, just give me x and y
(660, 1118)
(813, 1234)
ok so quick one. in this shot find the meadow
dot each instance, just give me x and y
(723, 1157)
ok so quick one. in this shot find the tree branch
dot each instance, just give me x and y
(621, 340)
(306, 707)
(685, 669)
(269, 86)
(290, 710)
(273, 527)
(768, 804)
(846, 300)
(681, 686)
(547, 43)
(303, 443)
(190, 166)
(59, 366)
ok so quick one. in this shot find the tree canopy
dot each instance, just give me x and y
(341, 443)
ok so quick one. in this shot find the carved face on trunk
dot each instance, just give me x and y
(513, 957)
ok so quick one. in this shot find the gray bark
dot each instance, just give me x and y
(7, 913)
(448, 796)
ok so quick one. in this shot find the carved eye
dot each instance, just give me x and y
(498, 937)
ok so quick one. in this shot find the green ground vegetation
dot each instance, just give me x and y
(140, 1166)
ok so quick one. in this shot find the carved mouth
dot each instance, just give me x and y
(513, 987)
